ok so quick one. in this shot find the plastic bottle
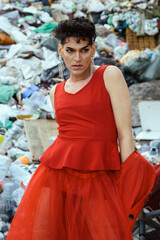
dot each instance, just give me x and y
(1, 138)
(11, 134)
(22, 143)
(16, 153)
(31, 105)
(154, 151)
(8, 188)
(6, 144)
(23, 160)
(17, 195)
(17, 174)
(156, 144)
(4, 166)
(14, 132)
(2, 236)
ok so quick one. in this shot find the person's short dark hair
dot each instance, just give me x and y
(80, 27)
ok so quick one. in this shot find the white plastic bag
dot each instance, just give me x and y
(6, 112)
(17, 174)
(151, 26)
(13, 31)
(17, 195)
(4, 166)
(95, 6)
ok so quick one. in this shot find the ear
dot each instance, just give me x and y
(60, 49)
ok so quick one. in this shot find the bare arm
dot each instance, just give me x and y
(52, 91)
(121, 104)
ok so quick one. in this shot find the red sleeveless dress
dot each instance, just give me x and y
(81, 190)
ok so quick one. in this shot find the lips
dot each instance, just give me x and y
(76, 66)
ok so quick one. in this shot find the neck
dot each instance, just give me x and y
(86, 75)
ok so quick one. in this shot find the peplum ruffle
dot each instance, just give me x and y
(82, 154)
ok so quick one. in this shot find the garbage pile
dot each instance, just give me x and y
(29, 68)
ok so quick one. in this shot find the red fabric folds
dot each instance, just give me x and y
(66, 204)
(75, 154)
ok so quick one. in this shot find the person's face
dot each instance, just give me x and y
(77, 56)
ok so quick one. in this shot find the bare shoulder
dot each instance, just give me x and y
(113, 78)
(113, 71)
(96, 67)
(52, 91)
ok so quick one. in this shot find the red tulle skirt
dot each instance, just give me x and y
(66, 204)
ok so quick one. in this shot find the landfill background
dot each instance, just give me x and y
(128, 36)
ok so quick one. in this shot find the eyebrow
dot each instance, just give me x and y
(80, 48)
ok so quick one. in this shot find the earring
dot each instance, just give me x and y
(92, 65)
(61, 68)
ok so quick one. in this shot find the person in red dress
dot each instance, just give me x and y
(85, 186)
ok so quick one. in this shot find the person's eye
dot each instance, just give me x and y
(85, 50)
(69, 50)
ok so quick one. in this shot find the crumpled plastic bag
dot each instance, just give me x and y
(6, 92)
(50, 43)
(30, 67)
(6, 112)
(138, 64)
(67, 7)
(129, 55)
(95, 6)
(12, 31)
(17, 195)
(4, 166)
(153, 71)
(17, 173)
(112, 40)
(79, 14)
(103, 30)
(45, 17)
(7, 80)
(58, 16)
(20, 49)
(50, 59)
(31, 9)
(12, 16)
(47, 27)
(48, 106)
(132, 19)
(8, 124)
(151, 26)
(10, 75)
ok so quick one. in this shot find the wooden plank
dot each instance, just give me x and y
(38, 133)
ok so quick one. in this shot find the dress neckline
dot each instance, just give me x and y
(82, 87)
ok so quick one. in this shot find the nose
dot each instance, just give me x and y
(77, 56)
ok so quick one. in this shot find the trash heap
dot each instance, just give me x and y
(127, 36)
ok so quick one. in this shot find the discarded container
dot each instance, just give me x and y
(4, 166)
(17, 174)
(23, 160)
(6, 145)
(16, 153)
(154, 152)
(47, 27)
(2, 236)
(31, 105)
(155, 144)
(17, 195)
(22, 143)
(8, 188)
(6, 92)
(27, 93)
(1, 138)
